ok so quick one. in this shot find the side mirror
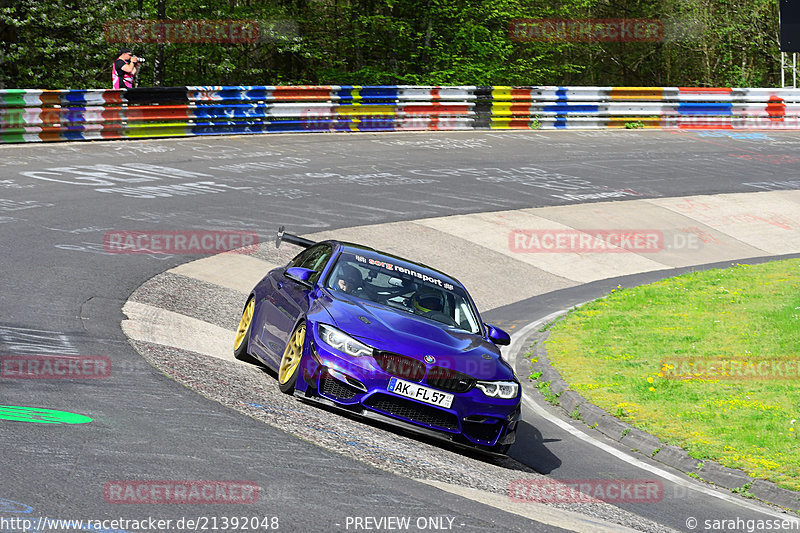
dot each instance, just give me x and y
(300, 275)
(498, 336)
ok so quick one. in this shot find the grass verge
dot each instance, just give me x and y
(709, 361)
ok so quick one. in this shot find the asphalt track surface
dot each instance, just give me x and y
(63, 294)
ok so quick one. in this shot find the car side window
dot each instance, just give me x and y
(315, 258)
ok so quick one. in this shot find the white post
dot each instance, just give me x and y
(793, 66)
(783, 74)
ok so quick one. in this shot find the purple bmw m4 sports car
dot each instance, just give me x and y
(382, 337)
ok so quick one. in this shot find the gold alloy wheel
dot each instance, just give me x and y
(291, 355)
(244, 323)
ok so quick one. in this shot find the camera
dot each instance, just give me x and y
(140, 60)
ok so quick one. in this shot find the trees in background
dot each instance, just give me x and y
(61, 43)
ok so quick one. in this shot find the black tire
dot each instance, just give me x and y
(289, 367)
(241, 342)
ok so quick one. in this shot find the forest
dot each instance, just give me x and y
(59, 44)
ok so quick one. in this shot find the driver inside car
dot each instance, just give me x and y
(349, 279)
(427, 300)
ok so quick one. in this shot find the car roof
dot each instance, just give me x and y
(425, 269)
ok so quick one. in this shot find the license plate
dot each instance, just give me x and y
(418, 392)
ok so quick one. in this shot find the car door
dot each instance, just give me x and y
(287, 300)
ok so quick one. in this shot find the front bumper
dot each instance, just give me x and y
(359, 385)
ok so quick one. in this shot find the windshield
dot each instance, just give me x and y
(398, 285)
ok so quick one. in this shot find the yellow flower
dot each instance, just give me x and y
(652, 388)
(661, 374)
(649, 379)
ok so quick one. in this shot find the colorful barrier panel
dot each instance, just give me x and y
(70, 115)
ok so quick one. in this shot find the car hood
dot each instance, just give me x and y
(400, 332)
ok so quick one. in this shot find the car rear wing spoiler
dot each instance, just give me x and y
(292, 239)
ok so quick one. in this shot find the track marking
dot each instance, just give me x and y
(148, 323)
(232, 271)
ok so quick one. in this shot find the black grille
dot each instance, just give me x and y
(413, 411)
(401, 366)
(449, 379)
(337, 389)
(486, 432)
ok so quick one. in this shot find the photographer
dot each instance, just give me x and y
(125, 67)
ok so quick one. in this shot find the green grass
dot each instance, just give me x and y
(628, 354)
(549, 395)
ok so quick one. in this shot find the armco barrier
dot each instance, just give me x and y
(71, 115)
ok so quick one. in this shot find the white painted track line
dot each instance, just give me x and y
(148, 323)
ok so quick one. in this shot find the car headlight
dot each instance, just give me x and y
(499, 389)
(343, 342)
